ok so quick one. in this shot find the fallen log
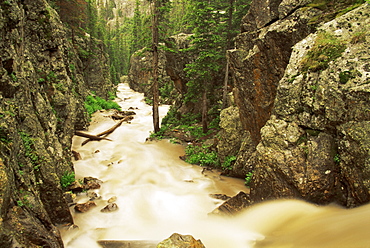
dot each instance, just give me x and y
(90, 136)
(109, 131)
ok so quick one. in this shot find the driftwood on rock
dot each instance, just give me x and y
(109, 131)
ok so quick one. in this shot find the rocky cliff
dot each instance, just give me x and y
(304, 108)
(172, 61)
(316, 143)
(43, 85)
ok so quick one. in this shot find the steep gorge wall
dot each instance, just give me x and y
(316, 144)
(43, 85)
(315, 164)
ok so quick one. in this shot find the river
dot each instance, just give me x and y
(158, 194)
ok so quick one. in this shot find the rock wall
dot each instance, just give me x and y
(261, 55)
(42, 90)
(316, 144)
(290, 158)
(172, 62)
(311, 147)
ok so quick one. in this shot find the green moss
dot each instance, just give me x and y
(319, 4)
(344, 77)
(359, 37)
(349, 8)
(332, 9)
(313, 132)
(327, 48)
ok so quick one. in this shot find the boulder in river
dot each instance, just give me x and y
(233, 205)
(84, 207)
(92, 183)
(109, 208)
(76, 187)
(180, 241)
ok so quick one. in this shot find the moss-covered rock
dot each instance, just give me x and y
(316, 144)
(42, 90)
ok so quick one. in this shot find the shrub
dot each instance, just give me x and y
(248, 178)
(95, 103)
(67, 179)
(228, 163)
(201, 155)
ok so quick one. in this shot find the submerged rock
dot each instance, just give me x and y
(112, 199)
(233, 205)
(84, 207)
(110, 208)
(180, 241)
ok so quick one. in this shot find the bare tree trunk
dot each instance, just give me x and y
(109, 131)
(155, 40)
(224, 96)
(204, 112)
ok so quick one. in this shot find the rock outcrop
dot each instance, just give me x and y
(295, 107)
(172, 62)
(180, 241)
(261, 56)
(42, 92)
(316, 144)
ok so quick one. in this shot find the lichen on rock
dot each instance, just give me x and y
(323, 156)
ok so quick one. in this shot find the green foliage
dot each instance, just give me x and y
(201, 155)
(23, 201)
(111, 95)
(72, 67)
(67, 179)
(337, 158)
(30, 152)
(84, 54)
(95, 103)
(228, 163)
(41, 80)
(327, 48)
(248, 178)
(166, 89)
(4, 136)
(13, 77)
(186, 123)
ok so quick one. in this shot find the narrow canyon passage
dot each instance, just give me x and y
(157, 193)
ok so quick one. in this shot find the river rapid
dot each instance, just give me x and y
(158, 194)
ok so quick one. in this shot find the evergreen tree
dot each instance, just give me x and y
(207, 20)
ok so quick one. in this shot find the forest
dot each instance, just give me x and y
(212, 27)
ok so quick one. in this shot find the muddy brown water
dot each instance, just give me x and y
(158, 194)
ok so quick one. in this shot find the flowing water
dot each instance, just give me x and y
(158, 194)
